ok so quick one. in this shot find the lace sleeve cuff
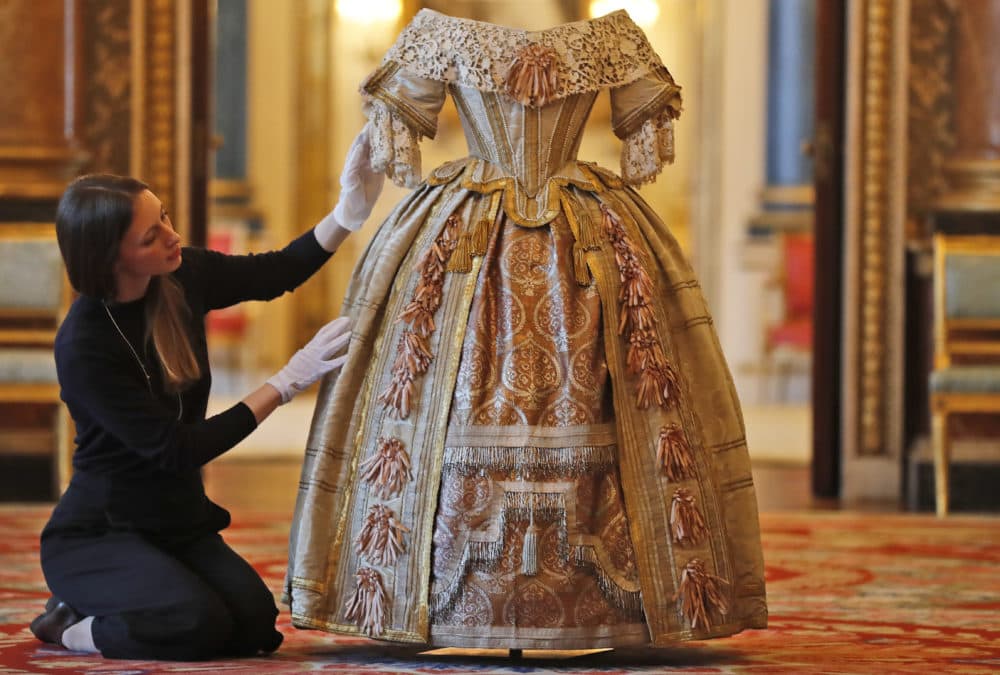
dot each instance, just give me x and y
(402, 108)
(642, 115)
(647, 149)
(395, 146)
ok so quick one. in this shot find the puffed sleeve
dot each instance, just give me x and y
(401, 108)
(642, 115)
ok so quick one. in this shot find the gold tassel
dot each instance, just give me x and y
(461, 257)
(529, 552)
(366, 607)
(580, 268)
(700, 593)
(674, 454)
(686, 523)
(481, 232)
(588, 233)
(581, 228)
(480, 237)
(388, 468)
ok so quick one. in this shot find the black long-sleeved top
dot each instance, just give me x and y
(135, 461)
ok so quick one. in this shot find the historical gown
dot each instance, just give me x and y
(535, 442)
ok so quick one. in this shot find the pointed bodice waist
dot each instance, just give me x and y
(531, 144)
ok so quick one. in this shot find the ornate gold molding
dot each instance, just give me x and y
(159, 130)
(974, 185)
(875, 188)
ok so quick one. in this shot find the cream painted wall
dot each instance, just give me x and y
(271, 165)
(741, 177)
(356, 51)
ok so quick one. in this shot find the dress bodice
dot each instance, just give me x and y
(523, 98)
(531, 144)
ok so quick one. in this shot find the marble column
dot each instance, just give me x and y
(39, 147)
(973, 169)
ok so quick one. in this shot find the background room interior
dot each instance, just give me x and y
(836, 187)
(818, 155)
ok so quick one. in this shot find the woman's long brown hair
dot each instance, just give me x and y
(94, 214)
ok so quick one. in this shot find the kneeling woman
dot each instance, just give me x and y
(132, 552)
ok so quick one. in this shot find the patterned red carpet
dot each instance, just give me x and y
(848, 594)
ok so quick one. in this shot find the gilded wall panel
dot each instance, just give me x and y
(154, 96)
(106, 106)
(930, 118)
(31, 115)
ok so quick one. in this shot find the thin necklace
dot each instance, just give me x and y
(149, 382)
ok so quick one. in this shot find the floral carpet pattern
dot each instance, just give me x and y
(848, 593)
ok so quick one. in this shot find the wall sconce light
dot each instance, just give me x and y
(368, 12)
(643, 12)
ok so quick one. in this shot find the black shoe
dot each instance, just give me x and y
(58, 616)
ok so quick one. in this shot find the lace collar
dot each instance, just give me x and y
(572, 58)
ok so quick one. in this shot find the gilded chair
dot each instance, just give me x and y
(966, 375)
(34, 295)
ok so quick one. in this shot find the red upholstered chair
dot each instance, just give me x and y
(789, 339)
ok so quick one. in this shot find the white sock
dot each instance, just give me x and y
(79, 637)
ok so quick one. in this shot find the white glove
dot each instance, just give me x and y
(360, 186)
(314, 360)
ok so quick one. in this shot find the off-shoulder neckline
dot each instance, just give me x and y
(596, 19)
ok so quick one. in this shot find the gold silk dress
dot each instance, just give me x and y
(535, 442)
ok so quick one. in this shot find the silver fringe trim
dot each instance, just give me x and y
(531, 436)
(628, 601)
(575, 461)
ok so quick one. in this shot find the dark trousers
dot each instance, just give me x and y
(185, 601)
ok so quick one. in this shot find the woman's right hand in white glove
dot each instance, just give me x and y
(360, 186)
(324, 353)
